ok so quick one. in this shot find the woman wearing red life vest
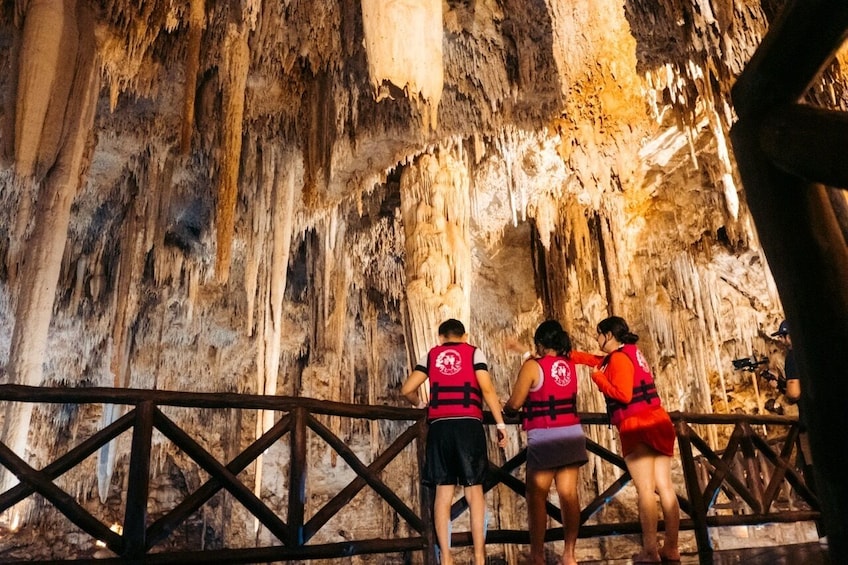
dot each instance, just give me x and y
(645, 432)
(546, 392)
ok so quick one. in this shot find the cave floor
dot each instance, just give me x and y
(813, 553)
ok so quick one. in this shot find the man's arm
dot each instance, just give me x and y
(493, 402)
(411, 386)
(793, 390)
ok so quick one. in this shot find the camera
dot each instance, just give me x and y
(748, 363)
(751, 363)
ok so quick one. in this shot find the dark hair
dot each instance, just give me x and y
(451, 328)
(550, 335)
(618, 328)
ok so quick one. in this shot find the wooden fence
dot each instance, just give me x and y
(750, 480)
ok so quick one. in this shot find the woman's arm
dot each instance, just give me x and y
(583, 358)
(616, 380)
(528, 377)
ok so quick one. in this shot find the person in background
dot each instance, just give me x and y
(546, 393)
(455, 452)
(792, 392)
(791, 375)
(645, 432)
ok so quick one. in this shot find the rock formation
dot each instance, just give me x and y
(287, 197)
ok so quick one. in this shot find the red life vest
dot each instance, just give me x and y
(644, 390)
(554, 404)
(454, 390)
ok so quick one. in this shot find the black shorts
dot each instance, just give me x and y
(456, 453)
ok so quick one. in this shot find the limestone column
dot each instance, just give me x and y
(436, 207)
(56, 99)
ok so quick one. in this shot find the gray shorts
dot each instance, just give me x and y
(552, 448)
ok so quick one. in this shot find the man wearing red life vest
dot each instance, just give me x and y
(456, 442)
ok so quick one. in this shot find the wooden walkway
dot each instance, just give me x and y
(797, 554)
(748, 479)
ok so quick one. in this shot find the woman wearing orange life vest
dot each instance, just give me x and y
(645, 432)
(546, 392)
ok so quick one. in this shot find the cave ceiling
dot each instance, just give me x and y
(288, 196)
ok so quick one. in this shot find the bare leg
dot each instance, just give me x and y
(441, 520)
(566, 484)
(538, 486)
(670, 506)
(477, 506)
(640, 463)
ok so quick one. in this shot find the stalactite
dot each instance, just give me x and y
(403, 43)
(279, 176)
(255, 248)
(237, 62)
(47, 66)
(196, 23)
(52, 215)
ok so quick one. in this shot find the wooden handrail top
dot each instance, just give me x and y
(132, 396)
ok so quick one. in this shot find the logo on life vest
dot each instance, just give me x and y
(449, 362)
(561, 373)
(642, 361)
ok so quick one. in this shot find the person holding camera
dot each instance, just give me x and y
(791, 389)
(790, 385)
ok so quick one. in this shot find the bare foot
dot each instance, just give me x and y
(646, 557)
(669, 554)
(569, 560)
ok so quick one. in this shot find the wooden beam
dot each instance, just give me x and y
(365, 475)
(64, 395)
(798, 45)
(162, 528)
(806, 251)
(297, 478)
(138, 483)
(231, 482)
(808, 142)
(64, 502)
(783, 472)
(70, 460)
(693, 489)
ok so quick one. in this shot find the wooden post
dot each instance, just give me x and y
(297, 477)
(138, 483)
(693, 489)
(426, 497)
(800, 232)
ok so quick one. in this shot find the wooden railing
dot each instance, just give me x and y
(748, 481)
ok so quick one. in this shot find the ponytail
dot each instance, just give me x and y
(618, 328)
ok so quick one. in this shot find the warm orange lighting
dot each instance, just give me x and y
(117, 528)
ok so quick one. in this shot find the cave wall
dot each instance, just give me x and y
(243, 206)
